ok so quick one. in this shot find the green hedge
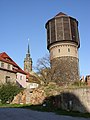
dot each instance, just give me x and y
(8, 91)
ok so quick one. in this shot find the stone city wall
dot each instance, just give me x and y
(76, 99)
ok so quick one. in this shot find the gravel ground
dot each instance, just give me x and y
(25, 114)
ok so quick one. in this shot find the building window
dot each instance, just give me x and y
(7, 79)
(8, 67)
(68, 49)
(59, 50)
(16, 77)
(2, 65)
(20, 77)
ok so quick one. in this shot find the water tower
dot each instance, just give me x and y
(63, 44)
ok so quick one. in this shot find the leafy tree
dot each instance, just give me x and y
(8, 91)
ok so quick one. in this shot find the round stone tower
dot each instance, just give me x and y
(63, 44)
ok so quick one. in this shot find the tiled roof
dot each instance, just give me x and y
(5, 58)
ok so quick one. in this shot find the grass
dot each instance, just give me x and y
(47, 109)
(58, 111)
(73, 113)
(11, 105)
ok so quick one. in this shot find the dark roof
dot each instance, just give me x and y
(61, 14)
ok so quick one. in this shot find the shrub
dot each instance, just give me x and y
(8, 91)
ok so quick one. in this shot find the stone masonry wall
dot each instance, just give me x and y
(76, 99)
(3, 75)
(28, 96)
(66, 69)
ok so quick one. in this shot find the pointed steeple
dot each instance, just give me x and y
(28, 60)
(28, 47)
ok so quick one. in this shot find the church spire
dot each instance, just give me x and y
(28, 47)
(28, 61)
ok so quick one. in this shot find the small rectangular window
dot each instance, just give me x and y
(59, 50)
(68, 49)
(2, 65)
(20, 77)
(7, 79)
(8, 67)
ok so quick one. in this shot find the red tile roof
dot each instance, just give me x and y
(5, 58)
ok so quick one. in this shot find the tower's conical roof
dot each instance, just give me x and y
(61, 14)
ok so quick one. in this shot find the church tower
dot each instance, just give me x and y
(63, 44)
(28, 61)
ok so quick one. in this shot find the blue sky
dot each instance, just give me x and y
(23, 19)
